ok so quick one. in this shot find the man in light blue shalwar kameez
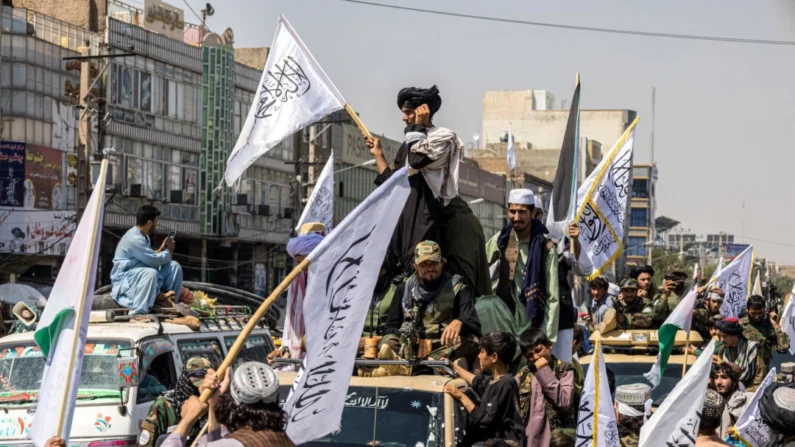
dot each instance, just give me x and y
(140, 273)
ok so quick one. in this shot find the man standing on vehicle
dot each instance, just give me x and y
(141, 275)
(432, 315)
(672, 291)
(644, 275)
(765, 331)
(703, 314)
(633, 312)
(164, 413)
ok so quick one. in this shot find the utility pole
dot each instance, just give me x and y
(651, 182)
(682, 247)
(84, 153)
(311, 170)
(720, 245)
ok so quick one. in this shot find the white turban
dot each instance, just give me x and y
(303, 245)
(522, 197)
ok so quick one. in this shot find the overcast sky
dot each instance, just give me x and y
(725, 126)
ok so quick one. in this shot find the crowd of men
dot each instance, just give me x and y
(501, 309)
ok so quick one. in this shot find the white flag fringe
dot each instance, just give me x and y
(596, 420)
(750, 428)
(342, 274)
(320, 206)
(294, 92)
(735, 280)
(61, 332)
(603, 201)
(676, 421)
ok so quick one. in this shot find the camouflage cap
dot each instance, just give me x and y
(427, 251)
(676, 268)
(629, 283)
(196, 367)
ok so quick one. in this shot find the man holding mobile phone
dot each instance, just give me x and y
(141, 276)
(669, 294)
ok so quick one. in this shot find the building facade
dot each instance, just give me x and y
(640, 234)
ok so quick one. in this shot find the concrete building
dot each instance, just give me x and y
(640, 234)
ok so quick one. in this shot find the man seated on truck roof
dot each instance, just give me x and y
(164, 413)
(142, 276)
(432, 315)
(298, 248)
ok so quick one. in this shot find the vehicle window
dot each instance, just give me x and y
(208, 348)
(386, 417)
(255, 349)
(160, 377)
(628, 373)
(22, 365)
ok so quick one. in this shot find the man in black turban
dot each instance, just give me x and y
(434, 210)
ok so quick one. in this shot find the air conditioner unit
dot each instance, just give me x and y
(288, 213)
(242, 199)
(177, 196)
(136, 190)
(264, 210)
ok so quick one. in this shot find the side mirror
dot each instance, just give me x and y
(127, 370)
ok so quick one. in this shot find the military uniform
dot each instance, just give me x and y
(631, 440)
(632, 401)
(163, 415)
(376, 315)
(767, 336)
(637, 315)
(557, 419)
(662, 307)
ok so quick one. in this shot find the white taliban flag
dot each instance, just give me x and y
(294, 92)
(713, 280)
(735, 280)
(788, 321)
(511, 150)
(320, 206)
(343, 271)
(680, 318)
(750, 428)
(603, 199)
(61, 332)
(758, 284)
(596, 420)
(676, 421)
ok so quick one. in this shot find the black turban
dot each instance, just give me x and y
(730, 326)
(641, 269)
(777, 407)
(415, 96)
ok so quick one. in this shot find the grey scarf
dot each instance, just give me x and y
(414, 290)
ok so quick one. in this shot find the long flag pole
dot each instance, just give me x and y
(357, 120)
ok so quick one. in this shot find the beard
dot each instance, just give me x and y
(431, 284)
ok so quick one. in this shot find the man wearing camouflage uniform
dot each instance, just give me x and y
(633, 312)
(164, 414)
(703, 314)
(764, 329)
(669, 294)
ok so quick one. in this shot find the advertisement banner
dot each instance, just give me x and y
(36, 232)
(12, 173)
(44, 172)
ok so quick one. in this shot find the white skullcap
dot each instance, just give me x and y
(522, 197)
(538, 203)
(254, 382)
(613, 289)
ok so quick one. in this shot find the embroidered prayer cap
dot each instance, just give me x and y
(303, 245)
(730, 326)
(414, 97)
(633, 394)
(427, 251)
(715, 295)
(777, 407)
(312, 227)
(713, 405)
(784, 397)
(197, 367)
(629, 283)
(788, 368)
(254, 382)
(522, 197)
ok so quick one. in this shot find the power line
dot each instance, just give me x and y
(580, 28)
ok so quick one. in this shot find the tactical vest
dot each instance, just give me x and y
(440, 314)
(378, 313)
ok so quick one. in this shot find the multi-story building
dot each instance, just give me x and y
(640, 233)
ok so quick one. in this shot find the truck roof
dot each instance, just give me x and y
(131, 331)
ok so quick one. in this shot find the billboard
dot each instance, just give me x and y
(44, 173)
(12, 173)
(162, 18)
(355, 152)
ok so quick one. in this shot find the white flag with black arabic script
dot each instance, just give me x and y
(343, 271)
(735, 281)
(596, 419)
(320, 206)
(294, 92)
(603, 199)
(750, 427)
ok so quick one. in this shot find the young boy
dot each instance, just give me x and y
(546, 391)
(496, 415)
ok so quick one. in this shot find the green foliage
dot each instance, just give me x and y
(783, 284)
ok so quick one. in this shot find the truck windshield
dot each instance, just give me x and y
(22, 365)
(387, 417)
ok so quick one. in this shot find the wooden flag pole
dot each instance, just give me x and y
(79, 314)
(241, 339)
(356, 120)
(687, 353)
(252, 323)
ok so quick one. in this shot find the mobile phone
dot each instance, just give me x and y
(172, 234)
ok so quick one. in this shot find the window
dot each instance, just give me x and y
(208, 348)
(637, 246)
(154, 180)
(640, 189)
(255, 349)
(638, 217)
(160, 377)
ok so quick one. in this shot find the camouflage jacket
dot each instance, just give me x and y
(161, 417)
(557, 419)
(637, 315)
(663, 308)
(767, 336)
(630, 440)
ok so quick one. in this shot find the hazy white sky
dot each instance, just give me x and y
(725, 125)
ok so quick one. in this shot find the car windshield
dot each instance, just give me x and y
(255, 349)
(22, 365)
(627, 373)
(386, 417)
